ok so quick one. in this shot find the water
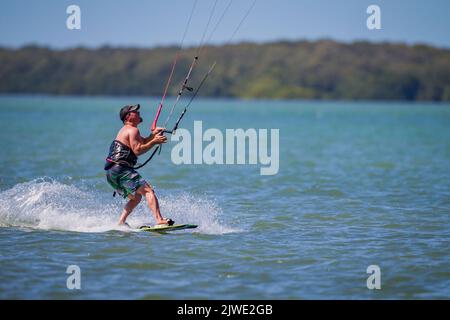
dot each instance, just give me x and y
(359, 184)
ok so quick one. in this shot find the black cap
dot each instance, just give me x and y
(127, 109)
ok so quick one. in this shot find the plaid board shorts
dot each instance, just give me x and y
(124, 180)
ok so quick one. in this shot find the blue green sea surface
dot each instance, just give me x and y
(359, 184)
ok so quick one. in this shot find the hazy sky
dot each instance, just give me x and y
(148, 23)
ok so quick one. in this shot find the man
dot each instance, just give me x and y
(122, 157)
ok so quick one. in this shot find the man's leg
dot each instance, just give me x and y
(149, 194)
(134, 201)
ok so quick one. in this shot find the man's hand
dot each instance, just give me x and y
(157, 131)
(159, 138)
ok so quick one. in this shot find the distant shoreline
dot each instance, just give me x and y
(145, 100)
(236, 43)
(313, 70)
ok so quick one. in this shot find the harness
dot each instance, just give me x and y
(120, 154)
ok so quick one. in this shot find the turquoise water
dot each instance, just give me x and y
(359, 184)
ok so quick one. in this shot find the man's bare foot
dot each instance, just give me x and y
(165, 221)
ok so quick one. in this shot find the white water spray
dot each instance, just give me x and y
(51, 205)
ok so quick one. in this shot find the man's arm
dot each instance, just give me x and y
(148, 139)
(141, 145)
(152, 134)
(138, 144)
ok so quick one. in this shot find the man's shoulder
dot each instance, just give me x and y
(130, 133)
(128, 130)
(131, 129)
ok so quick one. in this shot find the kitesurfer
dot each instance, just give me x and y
(122, 157)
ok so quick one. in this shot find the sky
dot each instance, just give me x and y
(151, 23)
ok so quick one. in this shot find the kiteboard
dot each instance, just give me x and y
(165, 227)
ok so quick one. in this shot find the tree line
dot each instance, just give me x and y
(323, 69)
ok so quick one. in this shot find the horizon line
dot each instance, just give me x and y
(234, 43)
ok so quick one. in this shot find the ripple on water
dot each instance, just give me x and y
(316, 191)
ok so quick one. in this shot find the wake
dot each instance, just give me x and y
(47, 204)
